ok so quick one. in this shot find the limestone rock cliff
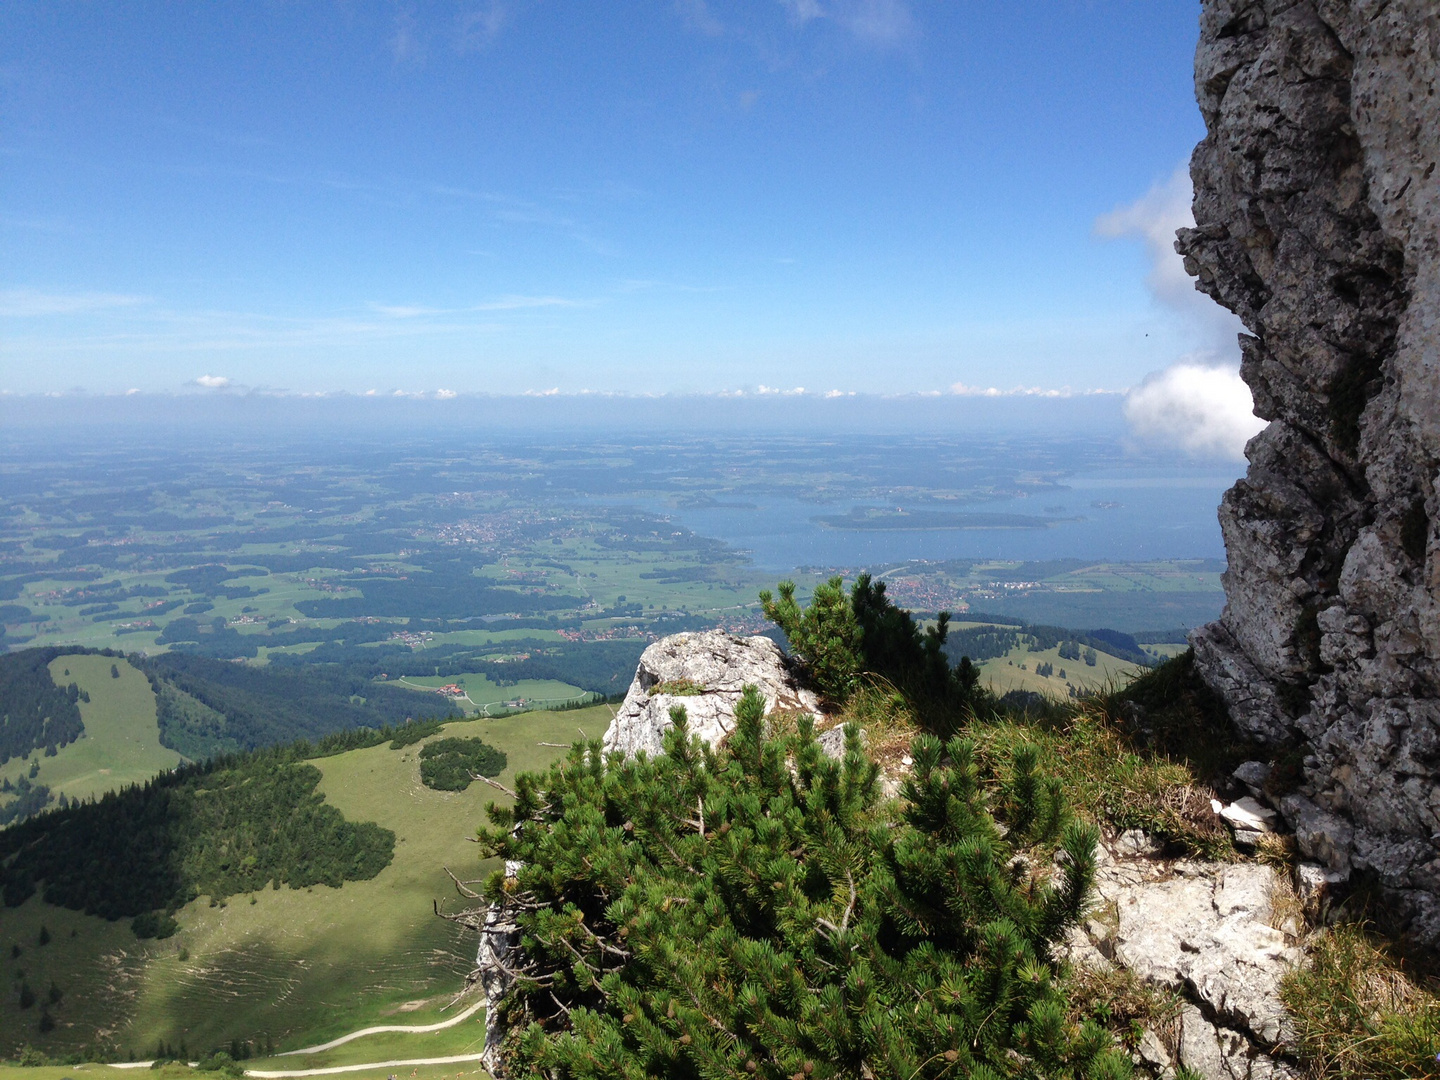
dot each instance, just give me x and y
(1317, 209)
(706, 673)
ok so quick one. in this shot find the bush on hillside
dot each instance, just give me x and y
(761, 911)
(410, 733)
(451, 764)
(154, 924)
(848, 640)
(825, 635)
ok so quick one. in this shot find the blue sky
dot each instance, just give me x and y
(882, 196)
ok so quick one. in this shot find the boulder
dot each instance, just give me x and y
(1217, 1053)
(1321, 835)
(1316, 887)
(1253, 774)
(705, 672)
(1206, 930)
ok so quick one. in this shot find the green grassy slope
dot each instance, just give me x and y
(1005, 673)
(292, 967)
(121, 744)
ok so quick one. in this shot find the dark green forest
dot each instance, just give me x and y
(602, 667)
(451, 764)
(446, 589)
(234, 824)
(981, 643)
(35, 714)
(208, 706)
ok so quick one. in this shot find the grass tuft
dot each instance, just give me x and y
(1108, 779)
(1111, 773)
(1359, 1013)
(1124, 1004)
(677, 688)
(888, 719)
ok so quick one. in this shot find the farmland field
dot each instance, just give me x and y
(484, 696)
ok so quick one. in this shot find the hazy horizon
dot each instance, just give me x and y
(863, 197)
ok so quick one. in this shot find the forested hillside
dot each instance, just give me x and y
(35, 714)
(988, 641)
(208, 706)
(234, 824)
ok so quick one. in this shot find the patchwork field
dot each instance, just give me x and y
(483, 696)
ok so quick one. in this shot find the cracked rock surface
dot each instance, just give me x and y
(1317, 210)
(706, 673)
(1203, 930)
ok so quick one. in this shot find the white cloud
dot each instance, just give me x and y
(698, 14)
(212, 382)
(1198, 404)
(510, 302)
(29, 303)
(880, 22)
(876, 22)
(405, 43)
(1154, 218)
(513, 303)
(974, 391)
(802, 11)
(1202, 409)
(965, 390)
(446, 394)
(477, 28)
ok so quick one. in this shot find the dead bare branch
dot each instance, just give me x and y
(461, 886)
(495, 784)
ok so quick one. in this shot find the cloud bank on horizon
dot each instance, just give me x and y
(1199, 403)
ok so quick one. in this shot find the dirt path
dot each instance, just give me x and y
(272, 1075)
(417, 1029)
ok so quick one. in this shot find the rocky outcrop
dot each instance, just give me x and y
(1317, 209)
(706, 673)
(498, 950)
(1211, 933)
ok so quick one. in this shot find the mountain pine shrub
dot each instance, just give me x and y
(825, 635)
(450, 764)
(847, 642)
(760, 911)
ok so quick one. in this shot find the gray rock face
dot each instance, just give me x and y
(1203, 930)
(1206, 929)
(499, 949)
(706, 673)
(1217, 1053)
(1317, 209)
